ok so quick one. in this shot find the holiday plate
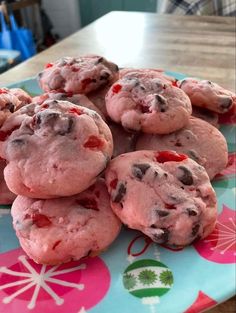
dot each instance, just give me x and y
(134, 274)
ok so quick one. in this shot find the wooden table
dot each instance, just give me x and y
(198, 46)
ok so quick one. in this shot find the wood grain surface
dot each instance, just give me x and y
(199, 46)
(195, 45)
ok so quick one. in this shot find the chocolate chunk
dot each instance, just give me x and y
(162, 213)
(193, 155)
(195, 229)
(161, 103)
(182, 83)
(99, 60)
(40, 74)
(50, 118)
(10, 107)
(116, 68)
(186, 178)
(120, 193)
(104, 76)
(162, 237)
(191, 212)
(139, 170)
(209, 82)
(153, 226)
(18, 142)
(142, 88)
(225, 103)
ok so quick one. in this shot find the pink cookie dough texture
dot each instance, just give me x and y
(53, 150)
(11, 100)
(77, 99)
(6, 196)
(143, 72)
(199, 140)
(60, 230)
(209, 95)
(165, 195)
(78, 75)
(148, 104)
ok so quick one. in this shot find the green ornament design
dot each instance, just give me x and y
(129, 281)
(147, 277)
(166, 278)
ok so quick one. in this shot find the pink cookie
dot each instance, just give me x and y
(206, 115)
(78, 75)
(146, 72)
(11, 100)
(54, 150)
(199, 140)
(209, 95)
(165, 195)
(148, 104)
(77, 99)
(123, 141)
(61, 230)
(6, 196)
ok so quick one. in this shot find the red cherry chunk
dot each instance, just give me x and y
(40, 220)
(94, 142)
(76, 111)
(48, 65)
(167, 156)
(116, 88)
(113, 183)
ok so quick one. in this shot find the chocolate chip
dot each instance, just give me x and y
(116, 68)
(225, 102)
(209, 82)
(162, 237)
(178, 144)
(162, 213)
(120, 193)
(182, 83)
(10, 107)
(191, 212)
(142, 88)
(40, 74)
(153, 226)
(139, 170)
(186, 178)
(193, 155)
(99, 60)
(161, 103)
(50, 118)
(18, 142)
(104, 76)
(195, 229)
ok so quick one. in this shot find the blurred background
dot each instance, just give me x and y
(30, 26)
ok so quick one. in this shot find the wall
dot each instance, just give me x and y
(64, 15)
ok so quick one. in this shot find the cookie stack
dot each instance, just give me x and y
(58, 147)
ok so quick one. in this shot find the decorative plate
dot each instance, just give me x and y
(134, 274)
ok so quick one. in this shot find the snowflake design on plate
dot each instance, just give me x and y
(34, 287)
(220, 245)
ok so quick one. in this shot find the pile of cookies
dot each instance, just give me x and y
(69, 156)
